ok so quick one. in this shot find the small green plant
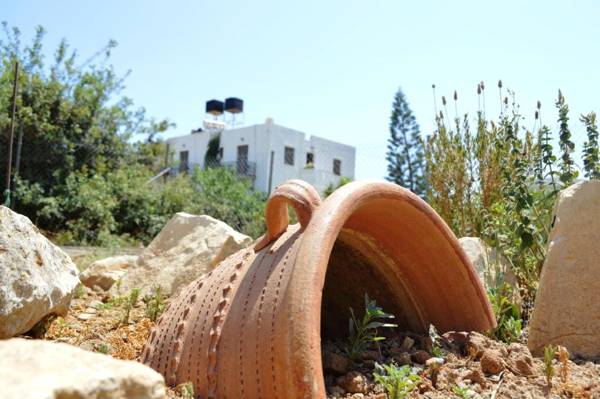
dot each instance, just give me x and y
(508, 316)
(113, 302)
(549, 353)
(79, 291)
(461, 391)
(130, 303)
(398, 382)
(363, 332)
(186, 390)
(436, 349)
(61, 324)
(155, 304)
(103, 348)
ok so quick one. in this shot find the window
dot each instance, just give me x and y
(288, 158)
(310, 158)
(184, 161)
(242, 159)
(337, 167)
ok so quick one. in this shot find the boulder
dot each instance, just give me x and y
(36, 277)
(105, 272)
(186, 248)
(567, 309)
(491, 266)
(36, 369)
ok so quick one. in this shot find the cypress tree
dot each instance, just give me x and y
(405, 150)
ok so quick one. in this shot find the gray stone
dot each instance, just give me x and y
(36, 277)
(36, 369)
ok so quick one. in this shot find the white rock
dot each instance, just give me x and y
(36, 277)
(35, 369)
(567, 305)
(492, 267)
(106, 272)
(186, 248)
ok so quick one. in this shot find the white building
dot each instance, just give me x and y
(270, 154)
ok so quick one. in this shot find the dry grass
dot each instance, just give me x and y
(95, 323)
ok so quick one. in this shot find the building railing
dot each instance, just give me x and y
(241, 167)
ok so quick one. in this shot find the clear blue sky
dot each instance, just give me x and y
(331, 68)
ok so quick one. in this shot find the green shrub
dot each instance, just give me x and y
(227, 197)
(496, 179)
(332, 187)
(121, 208)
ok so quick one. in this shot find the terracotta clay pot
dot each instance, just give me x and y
(252, 328)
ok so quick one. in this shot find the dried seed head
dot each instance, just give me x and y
(478, 88)
(441, 115)
(455, 96)
(505, 100)
(482, 85)
(537, 115)
(500, 84)
(444, 100)
(433, 86)
(539, 105)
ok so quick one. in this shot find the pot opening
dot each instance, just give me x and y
(358, 266)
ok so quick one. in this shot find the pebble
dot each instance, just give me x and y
(335, 362)
(491, 362)
(407, 344)
(85, 316)
(402, 359)
(354, 382)
(420, 357)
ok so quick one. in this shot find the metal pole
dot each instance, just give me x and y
(10, 137)
(271, 172)
(19, 146)
(167, 149)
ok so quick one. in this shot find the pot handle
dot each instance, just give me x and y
(301, 196)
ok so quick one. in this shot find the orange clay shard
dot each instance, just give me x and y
(252, 328)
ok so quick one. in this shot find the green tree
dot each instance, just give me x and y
(405, 150)
(71, 118)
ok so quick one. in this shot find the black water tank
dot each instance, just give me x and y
(214, 107)
(234, 105)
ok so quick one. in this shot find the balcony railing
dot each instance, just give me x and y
(241, 167)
